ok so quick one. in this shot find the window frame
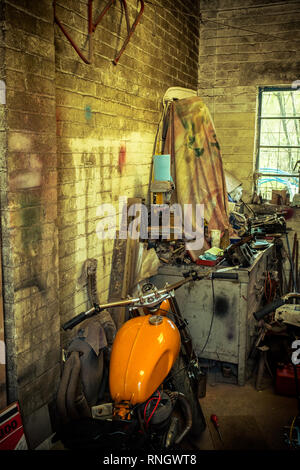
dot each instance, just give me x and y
(258, 174)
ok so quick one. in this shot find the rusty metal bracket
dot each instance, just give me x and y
(85, 59)
(131, 31)
(92, 25)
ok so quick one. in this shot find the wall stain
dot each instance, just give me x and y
(221, 306)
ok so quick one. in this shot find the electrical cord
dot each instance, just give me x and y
(212, 317)
(218, 23)
(226, 25)
(190, 358)
(208, 336)
(147, 421)
(175, 315)
(210, 327)
(179, 370)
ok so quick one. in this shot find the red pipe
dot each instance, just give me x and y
(105, 10)
(81, 55)
(126, 16)
(90, 17)
(137, 20)
(93, 25)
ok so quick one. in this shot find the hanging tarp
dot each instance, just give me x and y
(196, 162)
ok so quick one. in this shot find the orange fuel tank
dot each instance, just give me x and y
(143, 353)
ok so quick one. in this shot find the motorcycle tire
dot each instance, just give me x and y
(182, 383)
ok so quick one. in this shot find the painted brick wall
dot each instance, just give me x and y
(233, 63)
(104, 112)
(29, 205)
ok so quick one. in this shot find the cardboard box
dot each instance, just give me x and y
(279, 197)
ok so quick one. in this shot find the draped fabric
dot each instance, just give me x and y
(196, 162)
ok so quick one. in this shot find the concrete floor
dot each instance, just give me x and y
(249, 419)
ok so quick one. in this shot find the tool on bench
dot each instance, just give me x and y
(240, 253)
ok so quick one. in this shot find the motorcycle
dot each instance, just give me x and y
(148, 369)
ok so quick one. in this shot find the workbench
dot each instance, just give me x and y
(228, 320)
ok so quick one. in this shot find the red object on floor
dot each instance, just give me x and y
(285, 380)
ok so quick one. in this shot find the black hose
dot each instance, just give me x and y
(189, 418)
(82, 406)
(62, 391)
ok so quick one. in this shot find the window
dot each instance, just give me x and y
(278, 141)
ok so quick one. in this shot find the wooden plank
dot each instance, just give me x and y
(116, 287)
(117, 272)
(123, 269)
(131, 253)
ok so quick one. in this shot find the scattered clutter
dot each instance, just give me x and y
(227, 251)
(258, 234)
(172, 252)
(138, 366)
(245, 313)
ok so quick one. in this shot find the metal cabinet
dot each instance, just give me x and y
(220, 311)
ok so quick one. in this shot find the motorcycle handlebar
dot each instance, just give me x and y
(191, 276)
(268, 309)
(119, 303)
(274, 305)
(78, 319)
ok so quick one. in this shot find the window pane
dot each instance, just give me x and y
(280, 132)
(278, 159)
(280, 103)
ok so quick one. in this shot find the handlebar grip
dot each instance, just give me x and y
(268, 309)
(224, 275)
(74, 321)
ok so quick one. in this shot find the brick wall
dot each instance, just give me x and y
(64, 133)
(29, 205)
(233, 63)
(104, 111)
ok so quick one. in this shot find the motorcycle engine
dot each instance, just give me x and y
(162, 425)
(157, 411)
